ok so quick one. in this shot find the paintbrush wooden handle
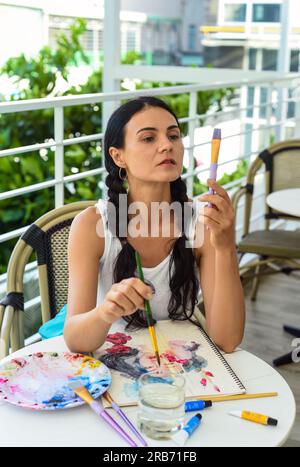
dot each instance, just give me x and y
(236, 397)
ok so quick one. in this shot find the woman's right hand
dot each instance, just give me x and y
(124, 298)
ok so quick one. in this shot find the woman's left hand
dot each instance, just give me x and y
(219, 218)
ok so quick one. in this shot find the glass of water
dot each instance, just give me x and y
(161, 404)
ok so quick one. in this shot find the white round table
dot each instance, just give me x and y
(285, 201)
(81, 427)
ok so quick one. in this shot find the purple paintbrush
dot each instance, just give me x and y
(118, 409)
(97, 407)
(215, 148)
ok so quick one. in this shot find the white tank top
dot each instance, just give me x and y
(158, 275)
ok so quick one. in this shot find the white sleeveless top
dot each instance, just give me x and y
(158, 275)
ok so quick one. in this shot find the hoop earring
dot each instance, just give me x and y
(120, 175)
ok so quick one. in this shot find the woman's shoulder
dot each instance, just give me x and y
(87, 231)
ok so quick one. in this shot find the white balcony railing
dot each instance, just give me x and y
(247, 128)
(259, 128)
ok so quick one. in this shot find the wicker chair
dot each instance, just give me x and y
(48, 237)
(281, 163)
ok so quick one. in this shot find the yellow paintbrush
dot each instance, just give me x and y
(148, 311)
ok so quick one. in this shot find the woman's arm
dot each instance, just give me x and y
(84, 329)
(219, 273)
(87, 325)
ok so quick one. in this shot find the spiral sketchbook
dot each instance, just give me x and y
(184, 348)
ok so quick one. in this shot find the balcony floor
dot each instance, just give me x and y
(277, 303)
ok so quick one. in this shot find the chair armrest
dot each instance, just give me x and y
(237, 196)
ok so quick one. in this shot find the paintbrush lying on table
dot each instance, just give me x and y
(119, 411)
(97, 407)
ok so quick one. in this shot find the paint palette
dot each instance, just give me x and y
(41, 381)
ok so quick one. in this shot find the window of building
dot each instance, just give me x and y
(263, 102)
(131, 40)
(252, 59)
(250, 101)
(269, 60)
(291, 110)
(266, 13)
(100, 39)
(235, 12)
(295, 66)
(87, 41)
(192, 37)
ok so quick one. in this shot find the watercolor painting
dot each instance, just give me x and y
(184, 349)
(41, 381)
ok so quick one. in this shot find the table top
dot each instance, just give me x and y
(81, 427)
(285, 201)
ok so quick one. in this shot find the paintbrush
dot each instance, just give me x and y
(215, 149)
(119, 411)
(237, 397)
(97, 407)
(149, 317)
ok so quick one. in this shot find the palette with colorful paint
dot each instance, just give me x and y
(41, 381)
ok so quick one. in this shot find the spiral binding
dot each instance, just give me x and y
(223, 360)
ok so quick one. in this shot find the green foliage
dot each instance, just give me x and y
(132, 58)
(240, 172)
(41, 75)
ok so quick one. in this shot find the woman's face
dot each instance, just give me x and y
(152, 136)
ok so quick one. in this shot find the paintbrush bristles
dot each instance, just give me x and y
(81, 391)
(217, 133)
(108, 397)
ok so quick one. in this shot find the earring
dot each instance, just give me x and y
(120, 175)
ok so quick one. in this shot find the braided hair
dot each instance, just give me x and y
(183, 283)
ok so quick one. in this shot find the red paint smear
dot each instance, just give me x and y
(72, 357)
(118, 338)
(203, 382)
(119, 349)
(173, 359)
(20, 363)
(208, 373)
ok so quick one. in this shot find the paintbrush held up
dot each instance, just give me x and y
(215, 149)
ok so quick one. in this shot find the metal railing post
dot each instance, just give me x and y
(59, 155)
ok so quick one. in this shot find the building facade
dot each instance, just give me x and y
(247, 35)
(164, 32)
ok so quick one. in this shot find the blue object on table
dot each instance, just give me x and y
(54, 327)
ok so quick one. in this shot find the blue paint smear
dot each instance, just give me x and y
(66, 396)
(131, 390)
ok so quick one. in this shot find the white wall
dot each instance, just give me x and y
(169, 8)
(21, 31)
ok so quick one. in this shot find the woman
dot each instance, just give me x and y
(143, 147)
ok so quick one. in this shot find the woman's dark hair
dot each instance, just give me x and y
(183, 282)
